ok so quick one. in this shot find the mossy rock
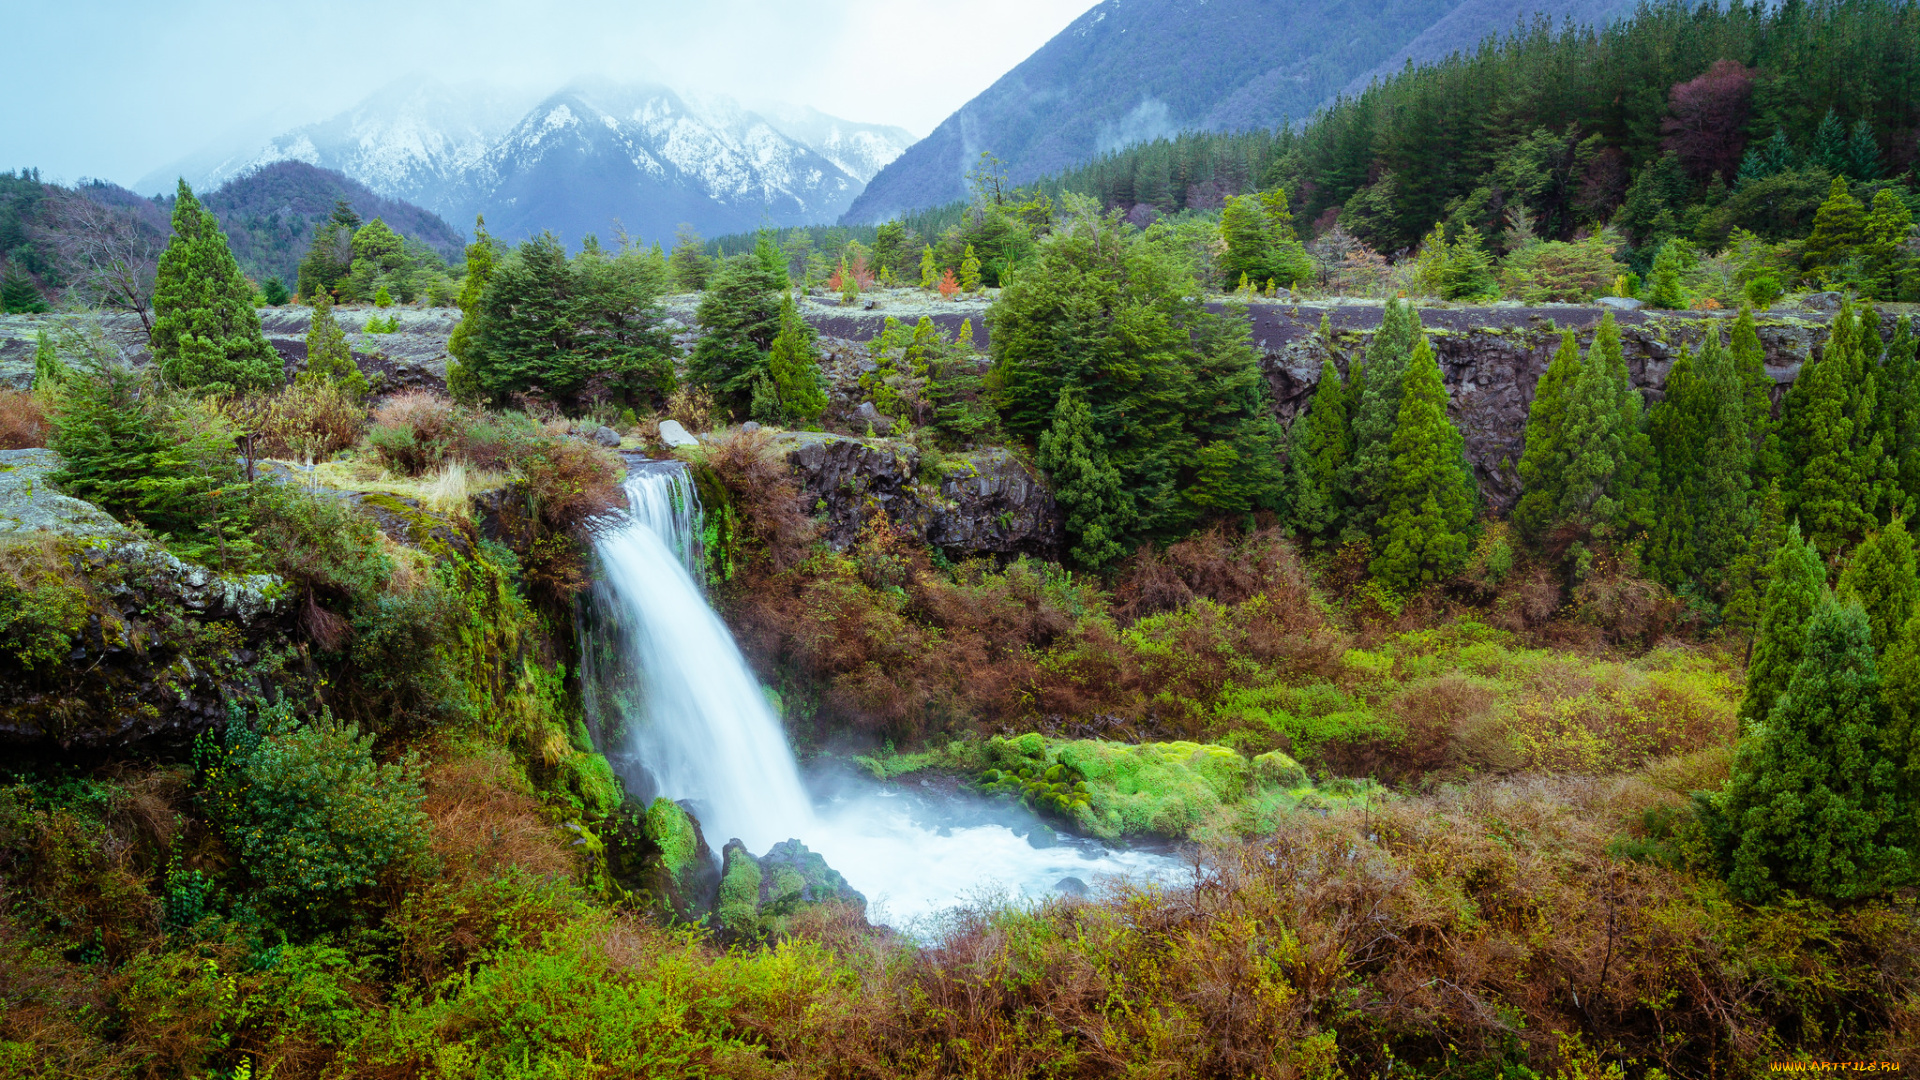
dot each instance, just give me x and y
(1275, 769)
(679, 869)
(759, 897)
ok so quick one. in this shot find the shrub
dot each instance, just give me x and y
(415, 432)
(44, 604)
(23, 420)
(314, 421)
(314, 819)
(1561, 272)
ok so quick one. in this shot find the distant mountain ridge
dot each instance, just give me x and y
(588, 156)
(269, 215)
(1129, 71)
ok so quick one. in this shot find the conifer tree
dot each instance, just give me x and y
(1087, 486)
(691, 264)
(1900, 693)
(329, 359)
(206, 332)
(1888, 270)
(1374, 393)
(1749, 359)
(1816, 806)
(1863, 152)
(1320, 443)
(1841, 479)
(1838, 228)
(1704, 458)
(274, 292)
(482, 257)
(1752, 571)
(1542, 465)
(1829, 149)
(739, 317)
(1257, 231)
(1881, 577)
(1607, 479)
(1663, 281)
(1429, 511)
(970, 270)
(1797, 581)
(18, 294)
(929, 273)
(767, 251)
(1899, 399)
(49, 371)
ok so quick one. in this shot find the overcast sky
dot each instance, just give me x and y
(115, 88)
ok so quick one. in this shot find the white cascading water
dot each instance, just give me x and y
(702, 729)
(681, 715)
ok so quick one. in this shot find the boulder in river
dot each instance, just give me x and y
(759, 897)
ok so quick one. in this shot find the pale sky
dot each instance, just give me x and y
(114, 88)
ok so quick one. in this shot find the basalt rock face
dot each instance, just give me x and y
(1492, 357)
(983, 502)
(110, 642)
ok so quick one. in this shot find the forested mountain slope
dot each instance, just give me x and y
(1133, 70)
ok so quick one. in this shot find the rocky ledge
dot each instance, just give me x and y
(107, 641)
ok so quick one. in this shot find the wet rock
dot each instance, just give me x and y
(604, 436)
(1622, 303)
(682, 876)
(759, 897)
(1821, 301)
(1070, 886)
(750, 426)
(674, 435)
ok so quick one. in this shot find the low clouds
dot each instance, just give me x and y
(116, 88)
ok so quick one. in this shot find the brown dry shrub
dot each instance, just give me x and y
(1214, 565)
(415, 432)
(313, 421)
(1626, 607)
(1416, 933)
(762, 493)
(500, 871)
(1438, 713)
(23, 420)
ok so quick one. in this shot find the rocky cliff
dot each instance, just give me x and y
(984, 502)
(1491, 358)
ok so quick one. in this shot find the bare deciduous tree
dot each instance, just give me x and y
(110, 256)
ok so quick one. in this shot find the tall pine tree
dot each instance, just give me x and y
(1320, 445)
(1840, 478)
(793, 367)
(1543, 461)
(1816, 805)
(329, 360)
(206, 333)
(1881, 578)
(1375, 396)
(1753, 570)
(1087, 486)
(1607, 477)
(1798, 579)
(1704, 459)
(1425, 532)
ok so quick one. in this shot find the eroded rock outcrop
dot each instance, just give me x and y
(108, 641)
(983, 502)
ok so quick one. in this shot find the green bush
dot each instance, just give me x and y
(313, 819)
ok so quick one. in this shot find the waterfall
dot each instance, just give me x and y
(666, 682)
(678, 713)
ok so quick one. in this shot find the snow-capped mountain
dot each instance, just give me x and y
(587, 157)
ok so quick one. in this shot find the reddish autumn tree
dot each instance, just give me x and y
(1709, 116)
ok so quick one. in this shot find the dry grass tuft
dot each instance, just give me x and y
(23, 420)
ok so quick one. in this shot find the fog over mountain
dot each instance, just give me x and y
(590, 157)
